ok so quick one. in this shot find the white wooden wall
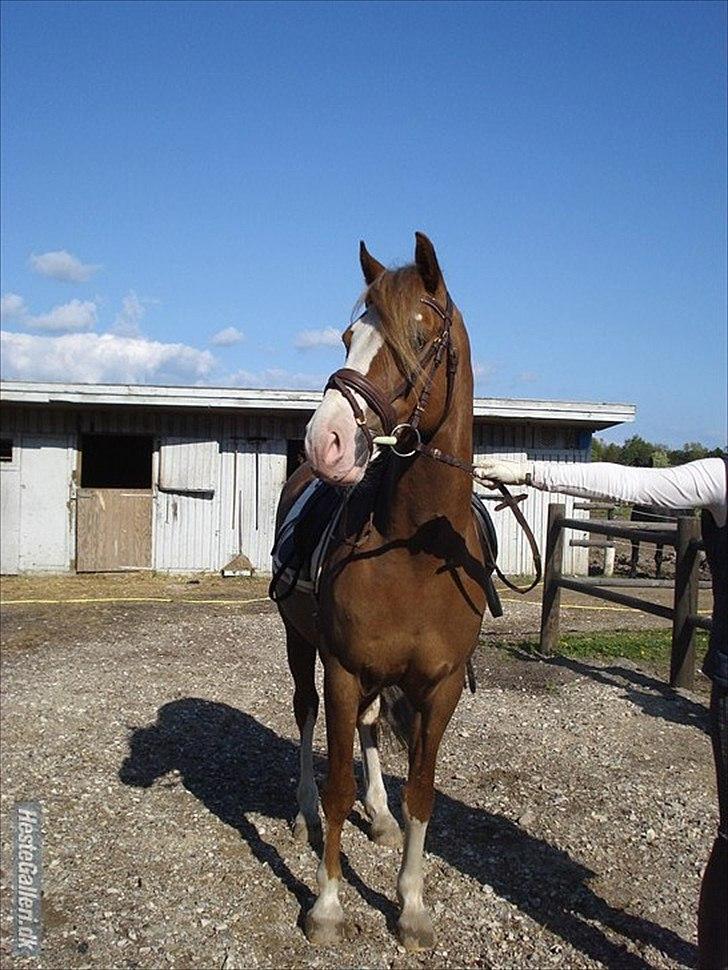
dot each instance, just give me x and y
(207, 507)
(206, 474)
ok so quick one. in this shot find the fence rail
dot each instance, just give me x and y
(683, 535)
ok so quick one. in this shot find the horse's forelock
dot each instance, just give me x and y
(395, 295)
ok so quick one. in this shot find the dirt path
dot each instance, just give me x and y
(570, 829)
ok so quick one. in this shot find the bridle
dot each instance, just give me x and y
(404, 438)
(347, 381)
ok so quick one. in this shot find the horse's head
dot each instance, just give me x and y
(401, 355)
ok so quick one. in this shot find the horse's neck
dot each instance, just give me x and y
(427, 488)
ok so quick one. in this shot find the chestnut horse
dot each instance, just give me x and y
(401, 596)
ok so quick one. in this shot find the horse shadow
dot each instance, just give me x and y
(235, 766)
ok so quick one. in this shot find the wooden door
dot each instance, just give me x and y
(113, 529)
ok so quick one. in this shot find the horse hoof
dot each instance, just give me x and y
(385, 831)
(307, 831)
(415, 931)
(323, 932)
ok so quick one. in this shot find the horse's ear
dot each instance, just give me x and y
(426, 262)
(370, 267)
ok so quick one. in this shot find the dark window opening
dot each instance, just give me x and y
(116, 461)
(295, 455)
(6, 449)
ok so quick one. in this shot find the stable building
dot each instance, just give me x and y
(114, 477)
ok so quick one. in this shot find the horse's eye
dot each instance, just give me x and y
(420, 340)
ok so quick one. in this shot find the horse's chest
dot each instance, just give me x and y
(387, 619)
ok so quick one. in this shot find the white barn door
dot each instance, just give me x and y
(185, 527)
(45, 470)
(254, 472)
(10, 506)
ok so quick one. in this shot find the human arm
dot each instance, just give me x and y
(698, 484)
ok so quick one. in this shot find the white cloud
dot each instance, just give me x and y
(328, 337)
(128, 319)
(101, 357)
(276, 377)
(528, 377)
(227, 337)
(12, 307)
(66, 318)
(62, 265)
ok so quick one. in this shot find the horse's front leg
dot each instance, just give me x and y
(325, 921)
(384, 827)
(432, 716)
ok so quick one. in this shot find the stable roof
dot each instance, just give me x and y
(595, 415)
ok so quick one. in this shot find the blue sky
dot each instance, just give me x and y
(184, 187)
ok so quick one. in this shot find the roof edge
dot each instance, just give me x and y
(597, 414)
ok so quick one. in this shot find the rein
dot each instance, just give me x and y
(404, 439)
(509, 501)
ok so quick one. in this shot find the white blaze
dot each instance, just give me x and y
(334, 412)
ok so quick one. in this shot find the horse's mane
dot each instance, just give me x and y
(395, 296)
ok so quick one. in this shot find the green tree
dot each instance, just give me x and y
(601, 451)
(646, 454)
(690, 451)
(637, 451)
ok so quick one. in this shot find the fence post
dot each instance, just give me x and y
(609, 551)
(551, 601)
(682, 660)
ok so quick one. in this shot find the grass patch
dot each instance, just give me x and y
(650, 645)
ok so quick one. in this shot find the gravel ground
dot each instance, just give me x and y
(570, 828)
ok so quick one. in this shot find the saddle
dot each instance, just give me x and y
(305, 537)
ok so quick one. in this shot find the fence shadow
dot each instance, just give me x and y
(235, 765)
(654, 697)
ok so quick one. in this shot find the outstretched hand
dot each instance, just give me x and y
(502, 471)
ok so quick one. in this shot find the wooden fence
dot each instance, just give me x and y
(683, 535)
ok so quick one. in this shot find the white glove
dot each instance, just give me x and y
(502, 471)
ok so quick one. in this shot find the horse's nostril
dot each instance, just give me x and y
(333, 448)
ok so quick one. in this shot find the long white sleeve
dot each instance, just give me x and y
(698, 484)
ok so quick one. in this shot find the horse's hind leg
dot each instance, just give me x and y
(384, 828)
(302, 663)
